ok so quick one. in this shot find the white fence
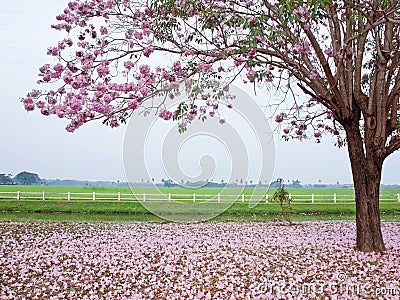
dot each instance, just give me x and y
(115, 197)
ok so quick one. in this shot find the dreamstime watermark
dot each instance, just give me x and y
(340, 285)
(241, 151)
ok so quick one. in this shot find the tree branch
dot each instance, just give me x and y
(395, 146)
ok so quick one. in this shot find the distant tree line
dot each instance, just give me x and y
(23, 178)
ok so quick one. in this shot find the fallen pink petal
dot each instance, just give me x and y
(213, 260)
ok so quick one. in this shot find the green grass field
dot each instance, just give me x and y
(29, 188)
(176, 190)
(105, 209)
(302, 195)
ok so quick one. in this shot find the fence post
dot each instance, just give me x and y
(169, 197)
(334, 198)
(144, 197)
(43, 196)
(312, 198)
(194, 197)
(219, 197)
(398, 198)
(94, 196)
(119, 196)
(266, 198)
(18, 195)
(242, 198)
(69, 196)
(290, 197)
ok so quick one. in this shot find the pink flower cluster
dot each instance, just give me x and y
(194, 261)
(103, 69)
(165, 114)
(301, 48)
(310, 121)
(303, 13)
(87, 88)
(205, 67)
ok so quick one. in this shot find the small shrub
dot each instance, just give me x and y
(281, 196)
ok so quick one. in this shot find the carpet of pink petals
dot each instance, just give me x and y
(231, 260)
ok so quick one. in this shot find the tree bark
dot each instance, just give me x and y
(366, 168)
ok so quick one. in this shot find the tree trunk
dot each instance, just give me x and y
(366, 168)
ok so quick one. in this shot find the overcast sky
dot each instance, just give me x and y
(34, 143)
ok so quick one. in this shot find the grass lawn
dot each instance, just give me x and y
(121, 211)
(322, 192)
(134, 211)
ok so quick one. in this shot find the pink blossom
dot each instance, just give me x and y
(165, 114)
(148, 51)
(70, 128)
(317, 134)
(313, 74)
(301, 48)
(44, 69)
(46, 78)
(102, 71)
(329, 52)
(144, 70)
(133, 104)
(53, 51)
(166, 75)
(144, 90)
(177, 66)
(251, 75)
(103, 30)
(174, 85)
(190, 117)
(29, 104)
(129, 65)
(188, 53)
(182, 125)
(35, 93)
(303, 12)
(204, 67)
(279, 118)
(252, 52)
(58, 68)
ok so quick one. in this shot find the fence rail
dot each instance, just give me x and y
(115, 197)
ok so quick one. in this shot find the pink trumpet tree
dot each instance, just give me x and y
(338, 59)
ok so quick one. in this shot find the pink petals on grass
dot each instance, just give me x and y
(194, 261)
